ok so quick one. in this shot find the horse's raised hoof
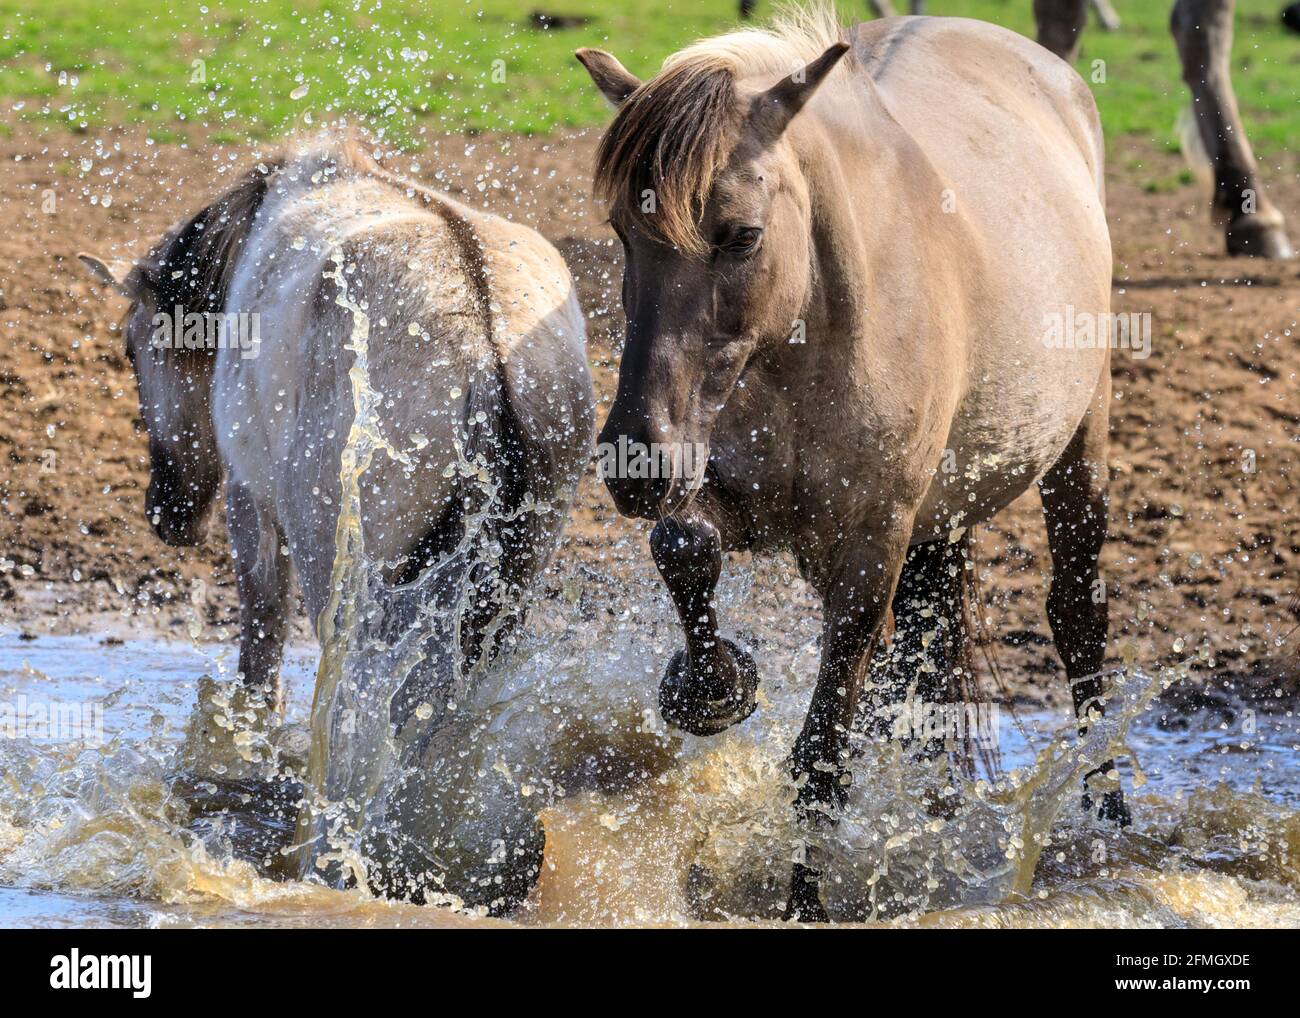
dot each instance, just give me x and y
(684, 694)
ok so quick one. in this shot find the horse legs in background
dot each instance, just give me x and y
(1060, 24)
(262, 576)
(1202, 30)
(1107, 16)
(1074, 493)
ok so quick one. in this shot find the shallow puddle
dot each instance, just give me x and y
(641, 825)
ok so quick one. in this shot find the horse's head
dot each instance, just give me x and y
(174, 292)
(707, 196)
(175, 385)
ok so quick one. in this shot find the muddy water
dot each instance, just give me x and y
(153, 815)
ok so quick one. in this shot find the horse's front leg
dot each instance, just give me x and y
(711, 685)
(855, 600)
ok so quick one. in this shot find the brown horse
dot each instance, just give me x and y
(848, 257)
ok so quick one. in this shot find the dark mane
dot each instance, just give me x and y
(670, 136)
(193, 265)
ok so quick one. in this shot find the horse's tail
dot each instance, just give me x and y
(510, 464)
(488, 526)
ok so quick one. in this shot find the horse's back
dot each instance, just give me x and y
(441, 297)
(971, 90)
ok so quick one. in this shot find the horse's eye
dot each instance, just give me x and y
(744, 241)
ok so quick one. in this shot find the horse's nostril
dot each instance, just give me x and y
(638, 466)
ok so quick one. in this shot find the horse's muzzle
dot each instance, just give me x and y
(640, 498)
(178, 530)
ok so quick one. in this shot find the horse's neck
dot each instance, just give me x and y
(880, 264)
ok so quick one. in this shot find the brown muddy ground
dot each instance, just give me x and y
(1204, 552)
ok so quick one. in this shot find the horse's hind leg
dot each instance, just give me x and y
(1202, 30)
(928, 662)
(262, 576)
(1074, 493)
(710, 685)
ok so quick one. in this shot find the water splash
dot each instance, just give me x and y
(325, 812)
(646, 826)
(386, 804)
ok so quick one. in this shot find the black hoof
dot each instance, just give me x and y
(1113, 809)
(684, 701)
(1262, 238)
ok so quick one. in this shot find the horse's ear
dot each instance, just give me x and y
(774, 109)
(116, 276)
(614, 80)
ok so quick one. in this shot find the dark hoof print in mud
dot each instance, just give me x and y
(683, 706)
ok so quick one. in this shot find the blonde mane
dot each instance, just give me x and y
(672, 135)
(794, 36)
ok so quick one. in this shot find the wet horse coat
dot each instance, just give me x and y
(859, 244)
(474, 332)
(482, 402)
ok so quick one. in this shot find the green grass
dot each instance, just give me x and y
(408, 68)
